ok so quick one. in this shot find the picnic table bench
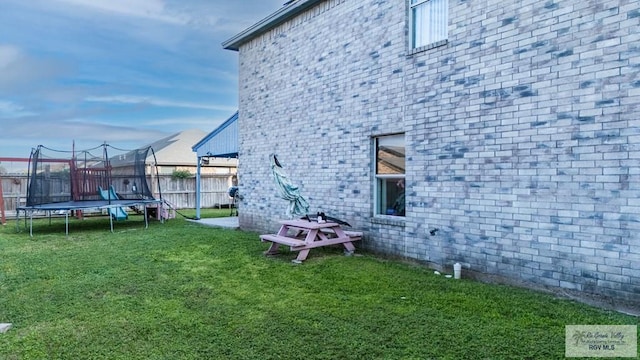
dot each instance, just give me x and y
(303, 235)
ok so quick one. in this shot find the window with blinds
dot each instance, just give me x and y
(429, 22)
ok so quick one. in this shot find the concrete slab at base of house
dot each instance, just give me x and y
(230, 222)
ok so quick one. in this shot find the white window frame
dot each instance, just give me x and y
(381, 180)
(434, 27)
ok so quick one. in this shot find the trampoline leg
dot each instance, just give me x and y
(17, 220)
(146, 219)
(66, 222)
(31, 224)
(111, 222)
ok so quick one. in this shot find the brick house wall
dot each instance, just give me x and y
(522, 135)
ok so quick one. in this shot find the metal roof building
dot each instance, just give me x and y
(220, 143)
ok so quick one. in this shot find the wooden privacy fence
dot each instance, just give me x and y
(180, 193)
(14, 192)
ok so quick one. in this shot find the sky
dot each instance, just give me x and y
(124, 72)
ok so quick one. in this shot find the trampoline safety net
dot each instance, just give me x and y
(62, 176)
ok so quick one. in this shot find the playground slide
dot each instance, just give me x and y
(117, 213)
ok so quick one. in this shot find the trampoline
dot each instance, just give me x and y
(102, 178)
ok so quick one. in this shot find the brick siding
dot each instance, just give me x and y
(522, 134)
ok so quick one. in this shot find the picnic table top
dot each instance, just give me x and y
(311, 225)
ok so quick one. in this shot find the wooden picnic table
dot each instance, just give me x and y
(304, 235)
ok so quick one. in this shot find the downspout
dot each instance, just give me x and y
(405, 105)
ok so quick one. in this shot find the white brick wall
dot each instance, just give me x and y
(522, 134)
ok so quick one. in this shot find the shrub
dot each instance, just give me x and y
(181, 174)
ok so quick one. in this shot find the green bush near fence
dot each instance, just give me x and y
(181, 174)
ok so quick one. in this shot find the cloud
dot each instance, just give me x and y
(8, 55)
(93, 131)
(10, 109)
(226, 17)
(143, 9)
(19, 70)
(146, 100)
(204, 123)
(194, 14)
(84, 131)
(122, 71)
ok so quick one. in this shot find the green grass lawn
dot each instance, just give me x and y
(179, 290)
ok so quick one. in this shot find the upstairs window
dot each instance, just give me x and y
(429, 22)
(390, 175)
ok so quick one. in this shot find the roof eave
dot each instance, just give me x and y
(233, 155)
(283, 14)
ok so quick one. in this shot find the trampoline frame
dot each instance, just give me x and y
(86, 184)
(82, 205)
